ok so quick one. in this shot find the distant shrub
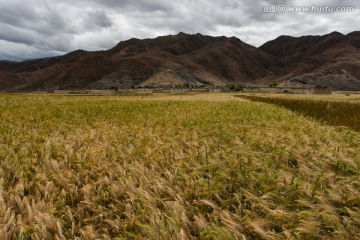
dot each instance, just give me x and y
(235, 87)
(273, 84)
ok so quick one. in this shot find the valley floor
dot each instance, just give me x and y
(193, 166)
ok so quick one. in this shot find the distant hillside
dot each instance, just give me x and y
(185, 59)
(332, 60)
(191, 58)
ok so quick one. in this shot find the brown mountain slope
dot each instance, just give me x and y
(332, 60)
(212, 60)
(234, 60)
(292, 49)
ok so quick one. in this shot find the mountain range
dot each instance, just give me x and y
(331, 60)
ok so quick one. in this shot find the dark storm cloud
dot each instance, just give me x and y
(44, 40)
(98, 18)
(44, 28)
(43, 18)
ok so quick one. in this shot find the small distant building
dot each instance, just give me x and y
(322, 90)
(62, 91)
(215, 90)
(101, 91)
(89, 91)
(199, 90)
(295, 90)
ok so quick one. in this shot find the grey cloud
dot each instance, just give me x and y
(39, 40)
(46, 28)
(127, 5)
(98, 18)
(43, 18)
(14, 35)
(18, 52)
(194, 16)
(146, 5)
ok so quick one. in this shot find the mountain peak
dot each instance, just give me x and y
(336, 33)
(182, 34)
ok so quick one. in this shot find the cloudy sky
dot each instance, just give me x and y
(40, 28)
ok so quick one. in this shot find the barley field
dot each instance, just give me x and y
(335, 97)
(336, 109)
(197, 166)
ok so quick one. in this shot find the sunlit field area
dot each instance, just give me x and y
(193, 166)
